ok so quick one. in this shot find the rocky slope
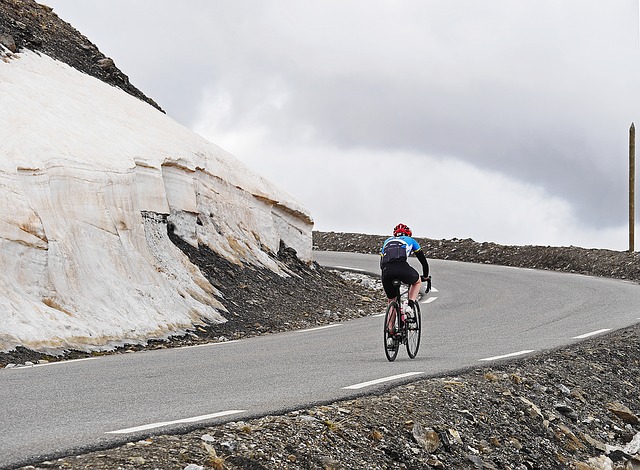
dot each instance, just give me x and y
(594, 262)
(26, 24)
(575, 407)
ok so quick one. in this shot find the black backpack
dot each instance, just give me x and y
(393, 251)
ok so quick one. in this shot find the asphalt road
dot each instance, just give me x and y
(477, 314)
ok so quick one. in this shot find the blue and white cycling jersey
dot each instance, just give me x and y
(398, 248)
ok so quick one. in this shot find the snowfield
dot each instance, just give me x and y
(89, 179)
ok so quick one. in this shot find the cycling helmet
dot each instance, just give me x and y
(401, 229)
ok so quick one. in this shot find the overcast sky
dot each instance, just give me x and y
(497, 120)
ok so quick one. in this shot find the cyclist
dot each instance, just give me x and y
(393, 262)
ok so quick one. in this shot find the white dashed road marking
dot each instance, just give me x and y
(593, 333)
(504, 356)
(379, 381)
(167, 423)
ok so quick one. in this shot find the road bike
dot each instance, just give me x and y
(402, 325)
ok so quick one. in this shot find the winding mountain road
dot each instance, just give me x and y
(477, 314)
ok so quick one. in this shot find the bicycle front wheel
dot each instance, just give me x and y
(414, 327)
(391, 331)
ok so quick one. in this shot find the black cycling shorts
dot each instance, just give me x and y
(400, 270)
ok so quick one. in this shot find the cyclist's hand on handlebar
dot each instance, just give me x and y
(426, 279)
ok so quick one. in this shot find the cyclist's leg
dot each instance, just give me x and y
(391, 320)
(410, 276)
(414, 290)
(392, 291)
(391, 342)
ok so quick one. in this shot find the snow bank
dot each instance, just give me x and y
(89, 178)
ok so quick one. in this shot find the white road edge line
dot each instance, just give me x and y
(209, 344)
(514, 354)
(433, 289)
(318, 328)
(379, 381)
(55, 363)
(178, 421)
(593, 333)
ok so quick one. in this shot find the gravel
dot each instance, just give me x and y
(575, 407)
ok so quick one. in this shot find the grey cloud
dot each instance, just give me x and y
(549, 141)
(542, 91)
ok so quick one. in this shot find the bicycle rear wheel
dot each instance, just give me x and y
(391, 331)
(414, 327)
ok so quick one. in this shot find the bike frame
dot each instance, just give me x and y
(401, 330)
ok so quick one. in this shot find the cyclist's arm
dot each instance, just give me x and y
(423, 261)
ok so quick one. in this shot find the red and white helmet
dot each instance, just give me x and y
(401, 229)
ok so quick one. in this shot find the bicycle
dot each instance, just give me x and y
(401, 327)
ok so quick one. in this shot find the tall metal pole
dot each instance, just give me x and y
(632, 186)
